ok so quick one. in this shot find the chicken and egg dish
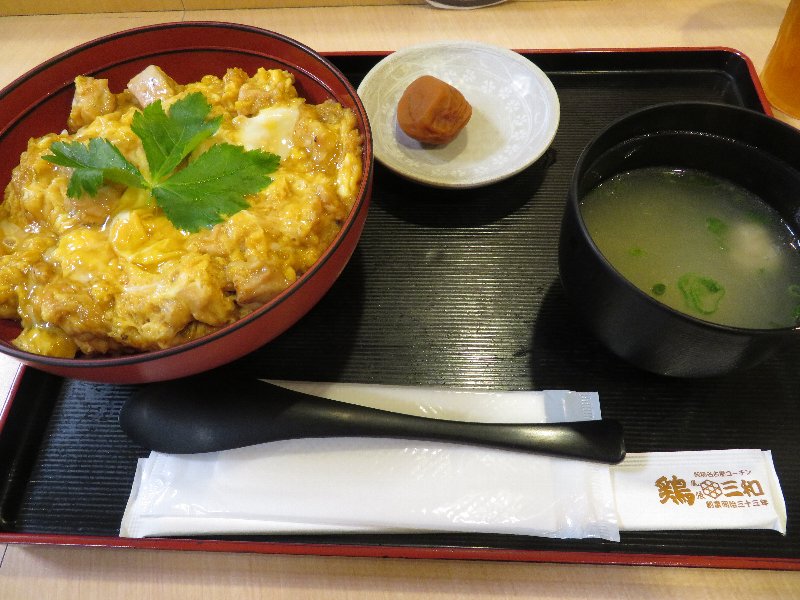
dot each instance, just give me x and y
(111, 274)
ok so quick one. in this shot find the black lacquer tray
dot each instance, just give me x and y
(450, 287)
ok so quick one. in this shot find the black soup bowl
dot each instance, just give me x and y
(748, 148)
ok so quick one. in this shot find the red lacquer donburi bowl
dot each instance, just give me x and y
(39, 102)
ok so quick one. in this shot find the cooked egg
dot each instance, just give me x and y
(270, 129)
(111, 274)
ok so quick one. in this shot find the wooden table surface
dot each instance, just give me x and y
(52, 572)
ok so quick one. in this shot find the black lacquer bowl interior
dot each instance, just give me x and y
(750, 149)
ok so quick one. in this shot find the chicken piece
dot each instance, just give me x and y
(152, 84)
(92, 98)
(264, 89)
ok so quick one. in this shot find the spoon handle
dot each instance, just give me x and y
(177, 417)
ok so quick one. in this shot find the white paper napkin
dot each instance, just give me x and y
(711, 489)
(342, 485)
(358, 484)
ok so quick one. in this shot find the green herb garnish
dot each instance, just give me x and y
(658, 289)
(716, 226)
(92, 164)
(167, 140)
(703, 294)
(211, 187)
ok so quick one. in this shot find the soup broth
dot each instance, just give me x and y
(699, 244)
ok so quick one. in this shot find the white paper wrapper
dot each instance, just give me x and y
(342, 485)
(359, 484)
(711, 489)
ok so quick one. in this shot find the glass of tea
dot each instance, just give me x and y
(781, 75)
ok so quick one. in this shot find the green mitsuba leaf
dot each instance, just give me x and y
(214, 186)
(211, 187)
(167, 140)
(94, 163)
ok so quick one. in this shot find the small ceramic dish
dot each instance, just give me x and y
(515, 113)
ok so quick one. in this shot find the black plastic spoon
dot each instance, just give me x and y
(183, 417)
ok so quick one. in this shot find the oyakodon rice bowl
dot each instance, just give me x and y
(123, 235)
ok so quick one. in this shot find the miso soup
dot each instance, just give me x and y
(699, 244)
